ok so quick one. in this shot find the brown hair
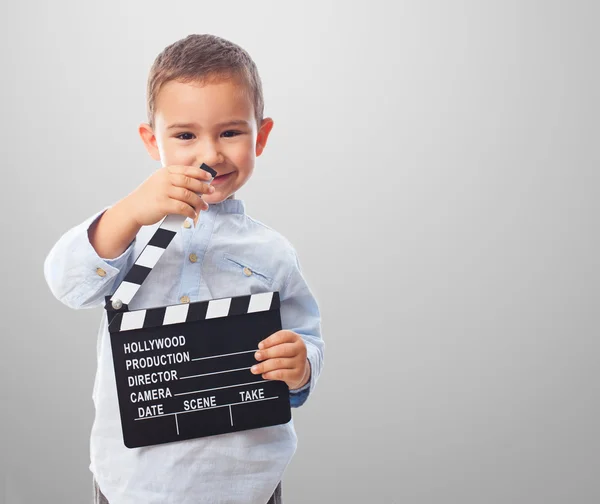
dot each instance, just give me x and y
(204, 58)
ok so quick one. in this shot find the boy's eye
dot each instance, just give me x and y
(231, 133)
(188, 135)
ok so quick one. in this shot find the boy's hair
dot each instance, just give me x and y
(204, 58)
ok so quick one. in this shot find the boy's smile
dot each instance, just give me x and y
(212, 123)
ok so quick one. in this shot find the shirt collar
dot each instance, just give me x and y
(229, 206)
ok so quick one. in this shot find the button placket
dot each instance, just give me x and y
(196, 244)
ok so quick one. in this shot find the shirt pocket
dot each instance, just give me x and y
(250, 274)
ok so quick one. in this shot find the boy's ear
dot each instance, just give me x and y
(149, 139)
(263, 134)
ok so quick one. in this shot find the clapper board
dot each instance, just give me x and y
(183, 371)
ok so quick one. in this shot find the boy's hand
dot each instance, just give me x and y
(283, 356)
(169, 190)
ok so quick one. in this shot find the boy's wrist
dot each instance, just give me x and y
(124, 209)
(114, 231)
(306, 377)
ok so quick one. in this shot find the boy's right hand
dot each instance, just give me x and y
(169, 190)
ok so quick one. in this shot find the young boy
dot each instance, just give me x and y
(205, 105)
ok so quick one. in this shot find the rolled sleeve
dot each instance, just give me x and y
(75, 273)
(300, 313)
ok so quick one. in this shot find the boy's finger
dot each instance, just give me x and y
(278, 374)
(185, 195)
(198, 172)
(277, 338)
(191, 171)
(283, 350)
(178, 207)
(273, 364)
(181, 180)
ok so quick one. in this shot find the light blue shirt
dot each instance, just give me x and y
(235, 255)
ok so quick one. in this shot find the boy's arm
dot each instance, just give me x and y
(77, 275)
(300, 314)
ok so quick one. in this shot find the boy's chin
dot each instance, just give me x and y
(217, 197)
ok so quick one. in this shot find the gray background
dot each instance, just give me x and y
(436, 166)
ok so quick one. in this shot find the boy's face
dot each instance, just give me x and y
(212, 123)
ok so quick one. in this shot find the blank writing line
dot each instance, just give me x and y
(216, 372)
(219, 388)
(202, 409)
(224, 355)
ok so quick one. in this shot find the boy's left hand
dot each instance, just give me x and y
(283, 357)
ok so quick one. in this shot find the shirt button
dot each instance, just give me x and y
(187, 224)
(193, 257)
(247, 271)
(100, 272)
(184, 299)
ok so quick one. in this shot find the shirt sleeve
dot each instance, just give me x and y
(77, 276)
(300, 313)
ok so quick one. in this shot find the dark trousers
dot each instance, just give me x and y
(100, 499)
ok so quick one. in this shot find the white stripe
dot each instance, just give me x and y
(125, 292)
(260, 302)
(218, 308)
(133, 320)
(176, 314)
(223, 355)
(214, 373)
(219, 388)
(172, 222)
(207, 408)
(150, 256)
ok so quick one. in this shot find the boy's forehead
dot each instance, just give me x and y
(211, 102)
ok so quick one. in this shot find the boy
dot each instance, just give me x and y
(205, 105)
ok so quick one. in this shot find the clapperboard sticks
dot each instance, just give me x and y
(149, 256)
(183, 371)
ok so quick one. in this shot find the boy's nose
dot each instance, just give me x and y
(210, 155)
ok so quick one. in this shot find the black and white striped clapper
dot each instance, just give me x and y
(183, 371)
